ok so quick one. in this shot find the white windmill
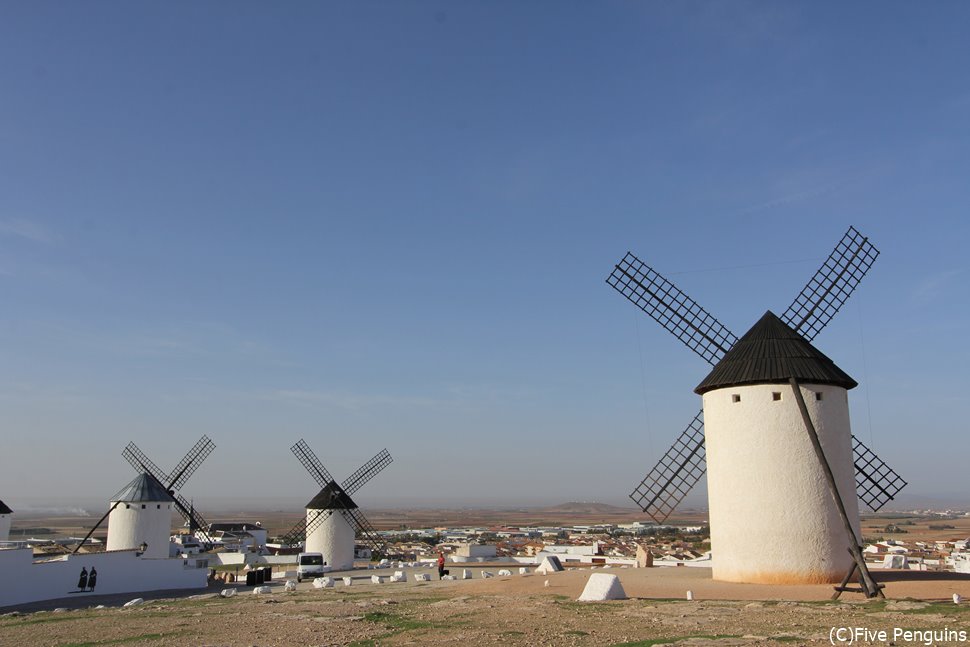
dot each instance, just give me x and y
(332, 519)
(141, 518)
(6, 518)
(779, 451)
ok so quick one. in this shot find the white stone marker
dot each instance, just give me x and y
(601, 587)
(262, 590)
(323, 582)
(523, 570)
(348, 581)
(466, 574)
(227, 593)
(422, 577)
(134, 603)
(289, 586)
(504, 572)
(550, 564)
(486, 575)
(376, 579)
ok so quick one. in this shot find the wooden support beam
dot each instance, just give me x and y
(871, 589)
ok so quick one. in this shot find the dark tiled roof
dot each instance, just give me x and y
(331, 498)
(4, 509)
(770, 353)
(142, 488)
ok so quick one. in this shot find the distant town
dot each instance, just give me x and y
(927, 539)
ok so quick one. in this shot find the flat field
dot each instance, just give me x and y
(515, 610)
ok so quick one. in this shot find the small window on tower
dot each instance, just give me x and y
(127, 507)
(142, 506)
(735, 398)
(776, 396)
(158, 507)
(818, 396)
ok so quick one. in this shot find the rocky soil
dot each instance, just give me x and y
(520, 610)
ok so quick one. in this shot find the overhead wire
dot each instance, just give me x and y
(643, 385)
(865, 369)
(744, 267)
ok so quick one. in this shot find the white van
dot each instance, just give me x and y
(310, 565)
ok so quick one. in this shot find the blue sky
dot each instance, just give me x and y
(389, 224)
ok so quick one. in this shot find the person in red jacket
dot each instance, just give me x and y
(441, 565)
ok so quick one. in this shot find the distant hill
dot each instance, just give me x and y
(587, 507)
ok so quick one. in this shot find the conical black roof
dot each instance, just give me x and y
(142, 488)
(771, 353)
(4, 509)
(332, 497)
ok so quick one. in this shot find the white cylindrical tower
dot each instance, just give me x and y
(6, 518)
(143, 515)
(334, 536)
(773, 518)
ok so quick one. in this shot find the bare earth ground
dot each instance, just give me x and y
(516, 610)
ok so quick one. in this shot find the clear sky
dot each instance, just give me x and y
(388, 224)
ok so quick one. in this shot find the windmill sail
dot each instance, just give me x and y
(832, 285)
(365, 530)
(366, 472)
(876, 482)
(683, 465)
(190, 462)
(675, 474)
(671, 308)
(311, 463)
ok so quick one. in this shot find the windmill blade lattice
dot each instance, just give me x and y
(311, 463)
(295, 534)
(366, 472)
(675, 474)
(140, 461)
(304, 528)
(831, 285)
(876, 482)
(190, 462)
(192, 517)
(671, 308)
(365, 530)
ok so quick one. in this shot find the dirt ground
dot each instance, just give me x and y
(516, 610)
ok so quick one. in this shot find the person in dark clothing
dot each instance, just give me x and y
(82, 582)
(92, 579)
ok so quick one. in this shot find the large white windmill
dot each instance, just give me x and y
(140, 518)
(780, 455)
(333, 520)
(141, 512)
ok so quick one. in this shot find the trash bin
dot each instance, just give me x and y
(259, 576)
(250, 578)
(268, 574)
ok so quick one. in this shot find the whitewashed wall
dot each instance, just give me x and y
(773, 519)
(118, 572)
(333, 537)
(130, 524)
(5, 520)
